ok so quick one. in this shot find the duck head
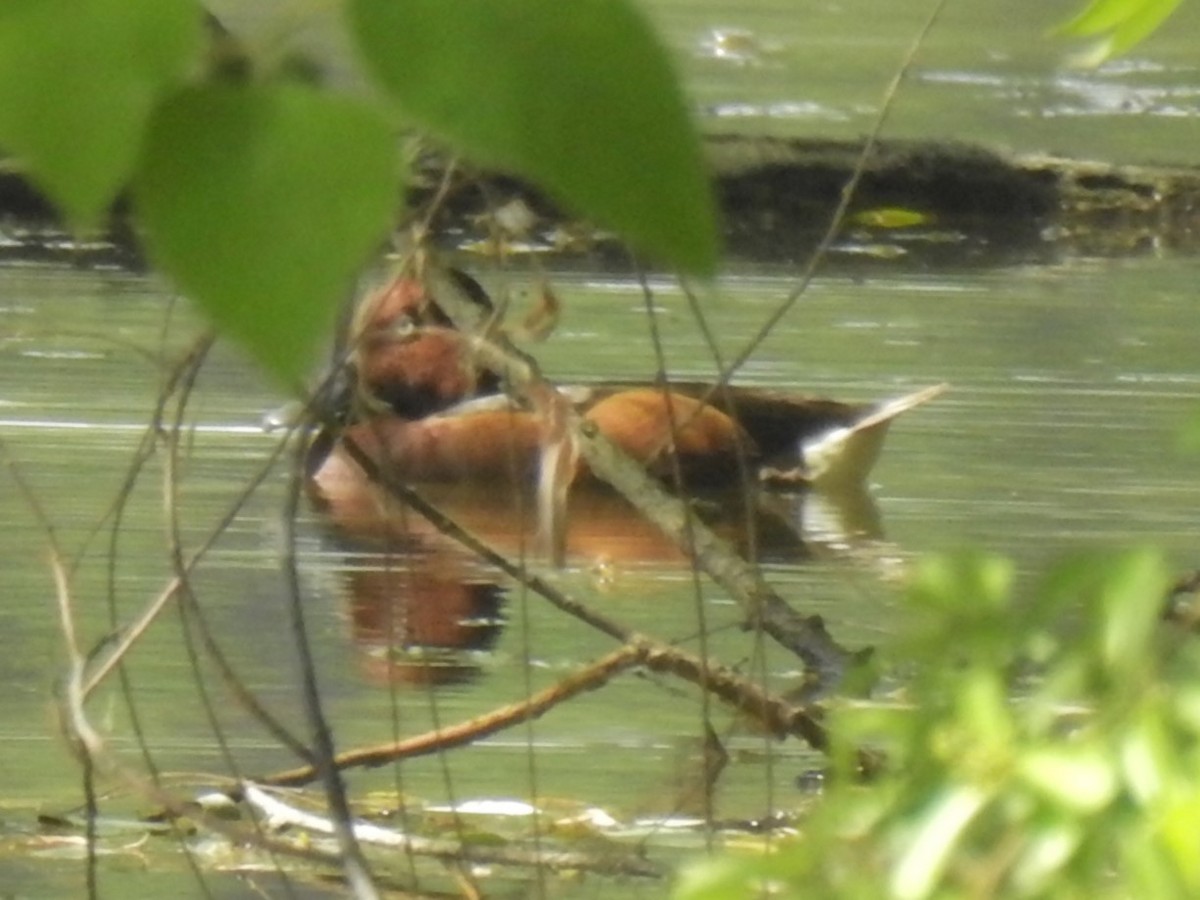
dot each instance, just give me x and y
(407, 356)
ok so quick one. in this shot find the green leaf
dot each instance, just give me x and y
(1147, 758)
(935, 836)
(986, 713)
(1121, 25)
(1082, 778)
(969, 582)
(1144, 21)
(262, 202)
(891, 217)
(719, 878)
(1131, 603)
(1049, 846)
(1186, 702)
(1099, 16)
(1177, 827)
(577, 96)
(78, 79)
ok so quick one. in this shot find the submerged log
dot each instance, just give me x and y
(934, 203)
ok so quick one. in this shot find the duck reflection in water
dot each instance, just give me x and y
(418, 615)
(756, 465)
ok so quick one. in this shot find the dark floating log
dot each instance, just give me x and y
(933, 204)
(930, 203)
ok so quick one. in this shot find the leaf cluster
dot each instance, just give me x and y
(262, 194)
(1043, 749)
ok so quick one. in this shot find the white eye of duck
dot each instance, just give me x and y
(403, 326)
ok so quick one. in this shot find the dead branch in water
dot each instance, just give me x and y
(778, 716)
(282, 815)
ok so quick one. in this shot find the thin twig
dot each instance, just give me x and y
(75, 660)
(354, 864)
(849, 189)
(132, 632)
(192, 618)
(451, 736)
(689, 535)
(142, 454)
(81, 735)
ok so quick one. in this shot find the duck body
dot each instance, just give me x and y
(435, 415)
(738, 434)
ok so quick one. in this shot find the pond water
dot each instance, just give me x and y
(1070, 384)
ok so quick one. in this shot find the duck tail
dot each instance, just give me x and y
(843, 457)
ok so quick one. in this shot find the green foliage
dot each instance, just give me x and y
(280, 196)
(261, 200)
(1086, 785)
(576, 95)
(1119, 25)
(78, 81)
